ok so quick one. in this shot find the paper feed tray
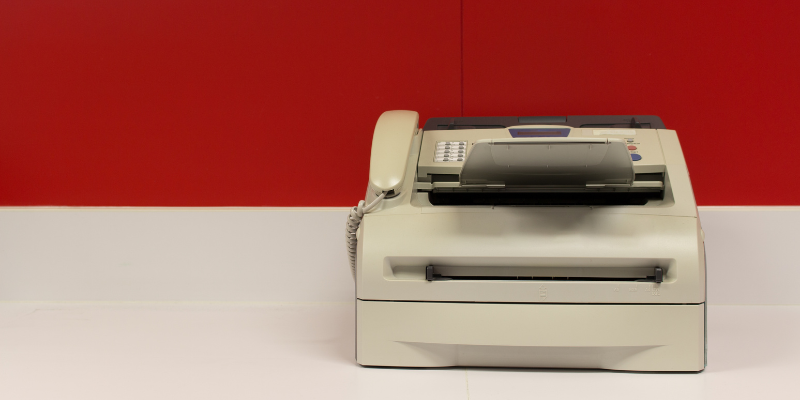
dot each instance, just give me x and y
(547, 171)
(548, 162)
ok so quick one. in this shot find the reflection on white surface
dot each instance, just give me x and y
(299, 351)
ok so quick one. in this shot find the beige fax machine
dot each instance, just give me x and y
(553, 242)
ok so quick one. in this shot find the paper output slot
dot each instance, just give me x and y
(614, 274)
(580, 197)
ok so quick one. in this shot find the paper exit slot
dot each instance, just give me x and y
(612, 274)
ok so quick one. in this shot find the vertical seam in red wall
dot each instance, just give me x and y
(461, 40)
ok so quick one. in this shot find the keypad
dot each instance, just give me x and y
(450, 151)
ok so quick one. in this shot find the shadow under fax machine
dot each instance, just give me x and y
(551, 242)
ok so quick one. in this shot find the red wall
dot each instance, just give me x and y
(272, 103)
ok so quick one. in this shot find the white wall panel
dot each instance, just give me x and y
(752, 254)
(200, 254)
(297, 254)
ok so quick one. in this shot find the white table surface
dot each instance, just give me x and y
(305, 351)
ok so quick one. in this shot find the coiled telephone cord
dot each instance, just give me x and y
(353, 222)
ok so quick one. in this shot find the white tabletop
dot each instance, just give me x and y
(305, 351)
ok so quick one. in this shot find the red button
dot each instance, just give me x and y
(631, 147)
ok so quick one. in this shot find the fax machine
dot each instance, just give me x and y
(553, 242)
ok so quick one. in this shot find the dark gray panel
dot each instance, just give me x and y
(542, 120)
(575, 121)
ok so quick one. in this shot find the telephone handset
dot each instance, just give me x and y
(391, 144)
